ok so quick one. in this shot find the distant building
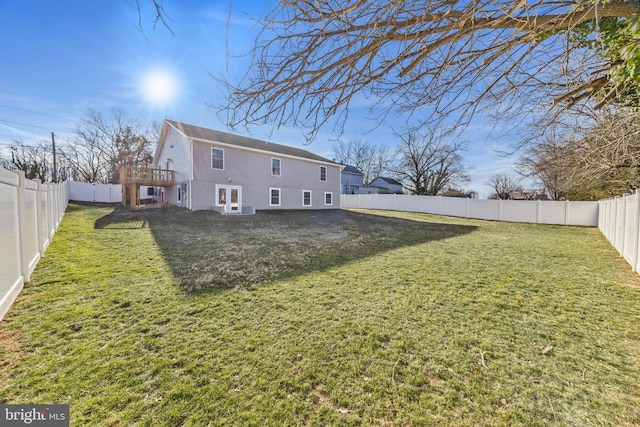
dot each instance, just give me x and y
(528, 195)
(351, 179)
(382, 185)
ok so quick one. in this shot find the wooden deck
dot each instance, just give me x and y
(146, 176)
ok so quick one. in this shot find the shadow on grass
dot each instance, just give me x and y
(208, 252)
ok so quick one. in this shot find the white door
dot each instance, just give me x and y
(229, 198)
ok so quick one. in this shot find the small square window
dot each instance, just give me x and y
(217, 158)
(306, 198)
(274, 197)
(328, 198)
(275, 167)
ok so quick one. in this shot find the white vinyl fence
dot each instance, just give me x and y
(534, 211)
(102, 193)
(91, 192)
(30, 213)
(619, 221)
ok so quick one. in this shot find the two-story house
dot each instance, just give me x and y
(352, 179)
(235, 174)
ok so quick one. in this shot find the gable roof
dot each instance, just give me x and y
(390, 181)
(352, 169)
(213, 136)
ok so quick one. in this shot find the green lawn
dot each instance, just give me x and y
(169, 317)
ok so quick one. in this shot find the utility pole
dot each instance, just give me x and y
(55, 166)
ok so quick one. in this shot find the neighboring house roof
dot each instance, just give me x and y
(390, 181)
(352, 170)
(214, 136)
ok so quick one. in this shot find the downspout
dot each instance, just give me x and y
(190, 188)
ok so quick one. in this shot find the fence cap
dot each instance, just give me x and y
(9, 177)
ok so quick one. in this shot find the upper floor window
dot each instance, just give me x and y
(323, 173)
(275, 167)
(217, 158)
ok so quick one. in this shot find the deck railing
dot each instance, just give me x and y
(146, 176)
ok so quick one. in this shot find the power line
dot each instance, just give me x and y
(35, 126)
(31, 112)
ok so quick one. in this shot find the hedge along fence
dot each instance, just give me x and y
(533, 211)
(30, 213)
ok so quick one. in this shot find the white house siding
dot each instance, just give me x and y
(351, 183)
(176, 147)
(252, 171)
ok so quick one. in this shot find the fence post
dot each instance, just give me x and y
(636, 234)
(22, 232)
(39, 214)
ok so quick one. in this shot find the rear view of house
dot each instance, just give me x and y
(234, 174)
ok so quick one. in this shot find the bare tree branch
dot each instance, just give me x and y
(314, 60)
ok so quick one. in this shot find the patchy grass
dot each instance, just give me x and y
(169, 317)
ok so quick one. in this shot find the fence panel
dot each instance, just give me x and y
(630, 228)
(485, 209)
(29, 215)
(619, 221)
(11, 279)
(108, 193)
(429, 204)
(30, 224)
(81, 191)
(540, 212)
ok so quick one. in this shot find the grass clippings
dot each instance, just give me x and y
(169, 317)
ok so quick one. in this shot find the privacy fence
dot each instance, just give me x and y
(619, 221)
(30, 212)
(92, 192)
(533, 211)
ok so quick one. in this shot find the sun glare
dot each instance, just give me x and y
(159, 87)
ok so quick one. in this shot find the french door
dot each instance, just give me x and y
(229, 198)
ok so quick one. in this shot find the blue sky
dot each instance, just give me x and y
(62, 57)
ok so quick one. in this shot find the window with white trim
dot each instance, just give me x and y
(275, 166)
(179, 193)
(328, 198)
(217, 158)
(306, 198)
(323, 173)
(274, 197)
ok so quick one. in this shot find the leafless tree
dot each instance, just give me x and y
(371, 160)
(600, 160)
(104, 143)
(503, 186)
(34, 160)
(552, 163)
(315, 60)
(608, 154)
(427, 164)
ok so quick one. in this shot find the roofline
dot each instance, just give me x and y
(257, 150)
(240, 147)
